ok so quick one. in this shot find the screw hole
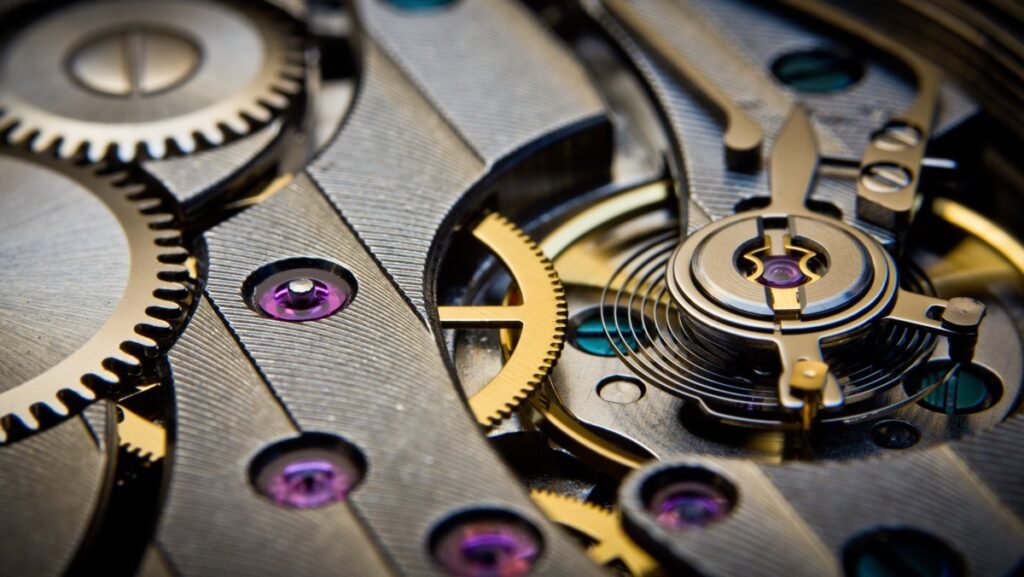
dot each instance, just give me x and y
(893, 434)
(900, 553)
(307, 472)
(688, 497)
(299, 289)
(486, 543)
(818, 71)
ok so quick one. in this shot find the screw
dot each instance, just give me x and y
(134, 62)
(487, 545)
(886, 178)
(897, 136)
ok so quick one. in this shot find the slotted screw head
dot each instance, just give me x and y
(886, 178)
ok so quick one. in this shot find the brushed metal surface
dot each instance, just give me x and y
(373, 374)
(489, 67)
(764, 534)
(53, 234)
(446, 96)
(213, 521)
(992, 457)
(50, 488)
(931, 490)
(191, 179)
(395, 170)
(734, 43)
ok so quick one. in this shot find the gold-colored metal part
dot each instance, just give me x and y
(809, 380)
(600, 525)
(141, 436)
(270, 190)
(784, 301)
(809, 376)
(990, 233)
(743, 135)
(568, 431)
(890, 210)
(150, 297)
(540, 319)
(558, 246)
(584, 263)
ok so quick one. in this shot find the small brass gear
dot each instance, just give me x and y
(140, 436)
(95, 279)
(539, 315)
(600, 525)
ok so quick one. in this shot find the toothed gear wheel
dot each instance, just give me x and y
(539, 314)
(141, 78)
(92, 278)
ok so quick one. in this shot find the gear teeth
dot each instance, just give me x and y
(156, 148)
(261, 113)
(237, 124)
(269, 93)
(27, 419)
(543, 321)
(149, 205)
(214, 135)
(158, 324)
(275, 101)
(186, 144)
(141, 437)
(21, 134)
(610, 543)
(58, 407)
(162, 219)
(145, 342)
(108, 376)
(43, 143)
(158, 294)
(126, 359)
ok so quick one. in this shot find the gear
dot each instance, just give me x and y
(600, 525)
(136, 78)
(540, 318)
(140, 436)
(94, 280)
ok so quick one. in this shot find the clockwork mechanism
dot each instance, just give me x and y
(512, 288)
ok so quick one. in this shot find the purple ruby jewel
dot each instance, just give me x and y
(782, 272)
(488, 548)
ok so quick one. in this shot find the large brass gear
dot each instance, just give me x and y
(539, 317)
(600, 525)
(131, 77)
(71, 339)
